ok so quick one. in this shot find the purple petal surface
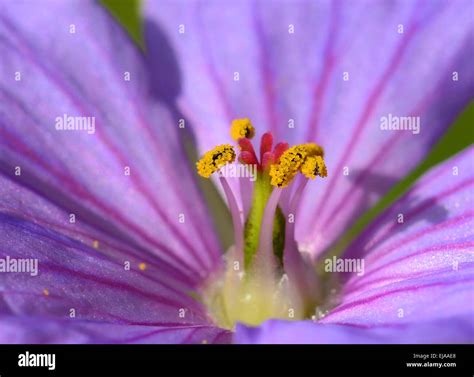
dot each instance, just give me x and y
(453, 330)
(121, 220)
(284, 76)
(110, 303)
(74, 59)
(422, 268)
(74, 277)
(417, 282)
(23, 330)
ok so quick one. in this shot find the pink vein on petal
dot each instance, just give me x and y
(328, 67)
(386, 148)
(370, 299)
(77, 188)
(363, 281)
(369, 108)
(115, 151)
(266, 74)
(431, 229)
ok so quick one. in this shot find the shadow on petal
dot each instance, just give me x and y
(165, 85)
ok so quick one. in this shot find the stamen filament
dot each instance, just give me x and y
(236, 220)
(299, 272)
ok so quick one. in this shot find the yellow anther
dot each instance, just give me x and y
(95, 244)
(291, 161)
(142, 266)
(215, 159)
(242, 128)
(45, 292)
(314, 166)
(313, 149)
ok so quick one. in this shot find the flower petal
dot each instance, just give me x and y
(453, 330)
(73, 280)
(286, 65)
(31, 330)
(418, 256)
(129, 176)
(21, 203)
(399, 75)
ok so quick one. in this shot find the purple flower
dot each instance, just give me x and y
(96, 187)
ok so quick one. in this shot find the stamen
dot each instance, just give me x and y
(242, 128)
(299, 272)
(272, 278)
(291, 162)
(314, 166)
(313, 149)
(215, 159)
(236, 220)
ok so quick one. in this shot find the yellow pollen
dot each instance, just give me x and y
(95, 244)
(204, 341)
(292, 160)
(242, 128)
(313, 149)
(142, 266)
(45, 292)
(214, 159)
(314, 166)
